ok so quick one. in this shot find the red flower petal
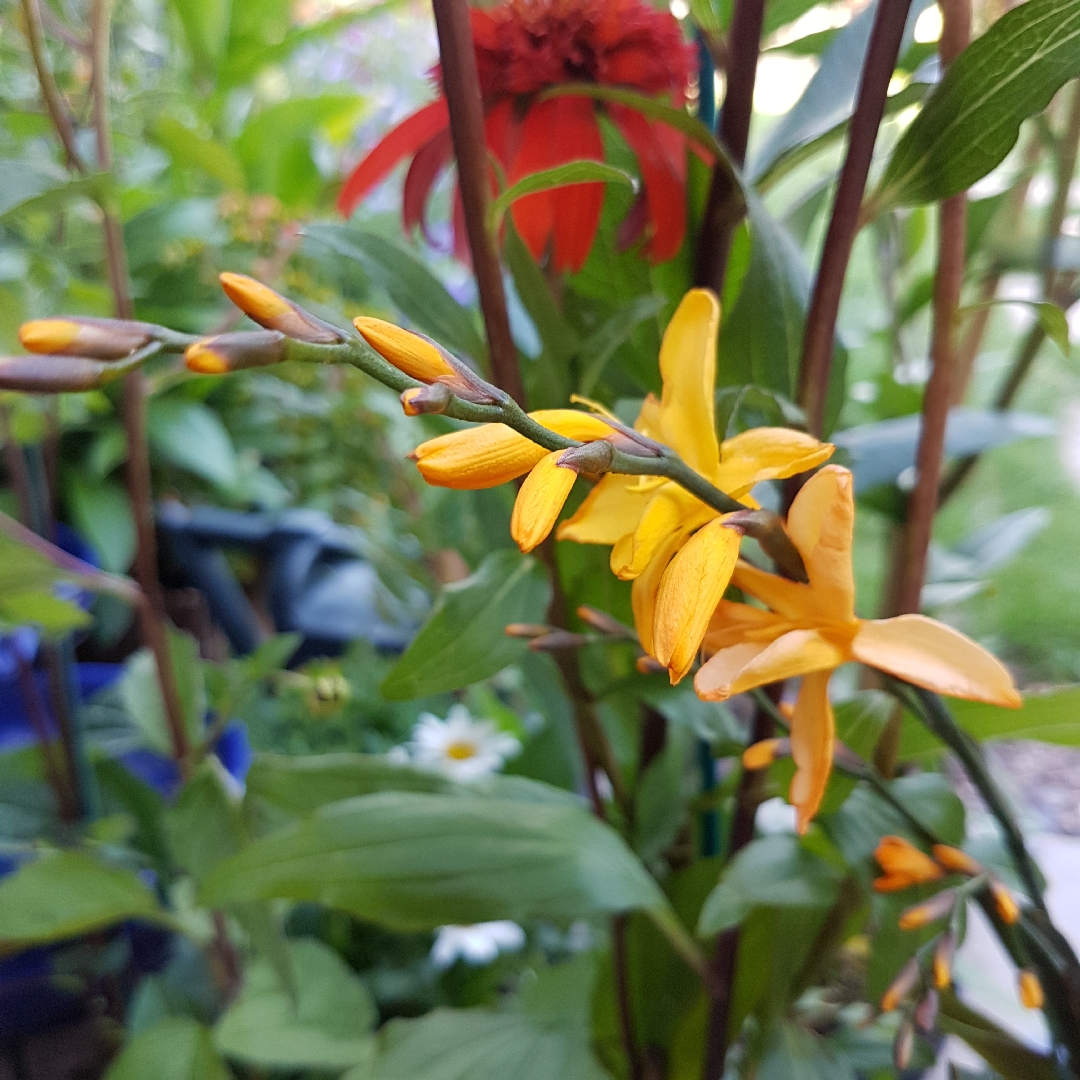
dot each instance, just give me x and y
(399, 142)
(430, 160)
(554, 132)
(661, 158)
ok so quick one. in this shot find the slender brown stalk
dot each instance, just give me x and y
(635, 1065)
(724, 206)
(55, 773)
(461, 86)
(938, 397)
(818, 339)
(15, 463)
(726, 952)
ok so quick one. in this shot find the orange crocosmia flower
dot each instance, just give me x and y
(904, 865)
(648, 520)
(811, 629)
(525, 48)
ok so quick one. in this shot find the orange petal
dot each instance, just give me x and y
(647, 585)
(691, 588)
(903, 861)
(734, 623)
(936, 657)
(766, 453)
(661, 517)
(540, 500)
(743, 667)
(611, 510)
(821, 523)
(688, 368)
(784, 597)
(813, 734)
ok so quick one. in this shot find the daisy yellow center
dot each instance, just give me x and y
(460, 751)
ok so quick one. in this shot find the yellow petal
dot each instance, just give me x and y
(688, 368)
(691, 588)
(539, 501)
(634, 551)
(492, 454)
(734, 623)
(767, 454)
(813, 733)
(821, 523)
(743, 667)
(48, 335)
(646, 586)
(650, 419)
(785, 597)
(611, 510)
(410, 353)
(935, 656)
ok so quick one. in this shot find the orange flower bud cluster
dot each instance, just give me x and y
(272, 311)
(76, 335)
(235, 352)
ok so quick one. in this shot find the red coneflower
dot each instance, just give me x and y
(524, 47)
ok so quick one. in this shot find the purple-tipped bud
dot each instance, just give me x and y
(235, 352)
(75, 335)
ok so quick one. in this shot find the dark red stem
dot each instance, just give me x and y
(724, 206)
(818, 339)
(461, 87)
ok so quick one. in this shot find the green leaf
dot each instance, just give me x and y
(573, 172)
(101, 511)
(829, 97)
(327, 1026)
(140, 692)
(972, 118)
(616, 332)
(206, 27)
(1051, 319)
(26, 186)
(773, 871)
(204, 825)
(177, 1048)
(1052, 717)
(661, 795)
(188, 149)
(761, 339)
(414, 289)
(464, 641)
(414, 861)
(191, 436)
(43, 610)
(545, 1036)
(66, 893)
(1008, 1057)
(794, 1053)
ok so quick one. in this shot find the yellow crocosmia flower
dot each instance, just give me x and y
(811, 629)
(540, 499)
(491, 454)
(646, 519)
(690, 589)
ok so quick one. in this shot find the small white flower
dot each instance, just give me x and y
(459, 746)
(478, 944)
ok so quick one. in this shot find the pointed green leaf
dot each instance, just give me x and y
(178, 1048)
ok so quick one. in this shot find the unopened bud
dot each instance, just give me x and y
(926, 1012)
(959, 862)
(37, 374)
(426, 399)
(591, 458)
(96, 339)
(903, 1045)
(422, 359)
(901, 986)
(527, 630)
(235, 352)
(557, 641)
(1007, 908)
(762, 754)
(271, 310)
(937, 907)
(1031, 991)
(943, 959)
(602, 621)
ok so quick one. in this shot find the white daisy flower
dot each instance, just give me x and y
(478, 944)
(459, 746)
